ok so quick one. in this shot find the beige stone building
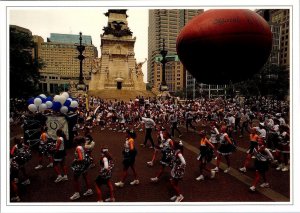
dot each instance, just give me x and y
(59, 55)
(117, 69)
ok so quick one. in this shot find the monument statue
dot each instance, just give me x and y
(138, 67)
(117, 68)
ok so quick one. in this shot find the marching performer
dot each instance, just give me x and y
(59, 157)
(129, 154)
(167, 149)
(263, 155)
(205, 155)
(80, 166)
(105, 173)
(225, 150)
(43, 150)
(177, 171)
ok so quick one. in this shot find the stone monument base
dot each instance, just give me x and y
(120, 95)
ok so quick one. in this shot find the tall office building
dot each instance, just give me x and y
(166, 25)
(278, 20)
(281, 17)
(60, 56)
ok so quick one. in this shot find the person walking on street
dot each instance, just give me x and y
(205, 156)
(149, 125)
(59, 157)
(188, 120)
(167, 149)
(263, 156)
(253, 145)
(177, 172)
(225, 150)
(105, 173)
(43, 150)
(81, 163)
(174, 123)
(129, 154)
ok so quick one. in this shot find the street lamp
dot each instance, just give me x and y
(80, 48)
(163, 52)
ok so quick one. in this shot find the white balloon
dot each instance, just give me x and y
(56, 98)
(62, 99)
(65, 94)
(74, 104)
(32, 108)
(42, 107)
(49, 104)
(37, 101)
(64, 109)
(69, 99)
(43, 96)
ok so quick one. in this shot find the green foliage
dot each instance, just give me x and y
(272, 80)
(23, 70)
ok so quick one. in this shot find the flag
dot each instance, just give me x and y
(57, 122)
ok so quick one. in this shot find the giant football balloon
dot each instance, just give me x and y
(223, 46)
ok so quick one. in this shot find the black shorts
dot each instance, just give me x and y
(59, 155)
(100, 180)
(261, 166)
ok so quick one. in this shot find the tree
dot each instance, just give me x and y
(24, 71)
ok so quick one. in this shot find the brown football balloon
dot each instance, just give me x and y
(222, 46)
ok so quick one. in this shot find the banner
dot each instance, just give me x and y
(57, 122)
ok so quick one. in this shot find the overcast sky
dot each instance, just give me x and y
(90, 21)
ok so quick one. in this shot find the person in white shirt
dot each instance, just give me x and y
(260, 129)
(149, 125)
(174, 122)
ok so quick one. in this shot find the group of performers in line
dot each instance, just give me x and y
(215, 141)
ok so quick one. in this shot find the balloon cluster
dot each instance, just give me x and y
(59, 103)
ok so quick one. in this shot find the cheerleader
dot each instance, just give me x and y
(88, 147)
(14, 179)
(129, 154)
(205, 155)
(81, 161)
(283, 150)
(43, 150)
(177, 172)
(225, 150)
(214, 136)
(167, 149)
(20, 153)
(106, 167)
(160, 140)
(263, 155)
(253, 144)
(59, 157)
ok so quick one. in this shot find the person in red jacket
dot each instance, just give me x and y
(105, 173)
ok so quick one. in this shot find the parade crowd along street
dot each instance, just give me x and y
(264, 121)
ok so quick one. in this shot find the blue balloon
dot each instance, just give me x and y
(30, 101)
(56, 106)
(49, 98)
(67, 103)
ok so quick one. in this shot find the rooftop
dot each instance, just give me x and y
(69, 38)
